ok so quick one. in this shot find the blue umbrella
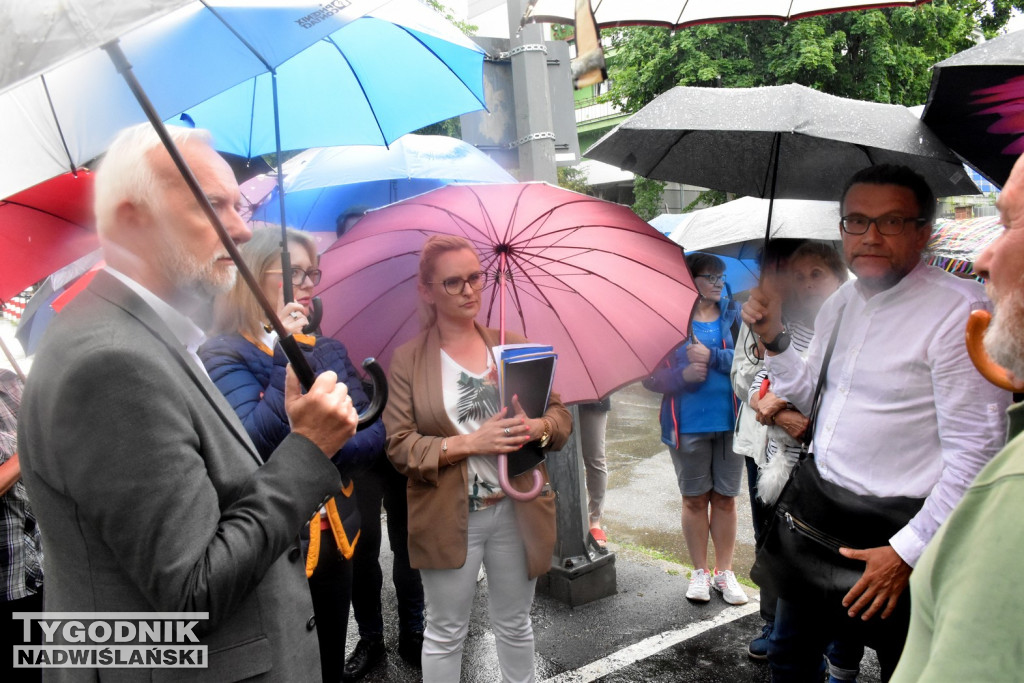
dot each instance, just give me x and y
(740, 274)
(322, 183)
(397, 69)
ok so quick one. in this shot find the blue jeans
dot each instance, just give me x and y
(804, 632)
(383, 485)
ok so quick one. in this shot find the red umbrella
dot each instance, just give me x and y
(610, 293)
(45, 228)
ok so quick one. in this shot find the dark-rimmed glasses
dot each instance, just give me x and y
(299, 275)
(712, 279)
(887, 225)
(455, 285)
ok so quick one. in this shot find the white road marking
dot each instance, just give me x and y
(651, 646)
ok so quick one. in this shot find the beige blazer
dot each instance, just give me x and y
(416, 424)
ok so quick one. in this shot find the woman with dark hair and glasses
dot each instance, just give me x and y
(698, 413)
(247, 364)
(444, 430)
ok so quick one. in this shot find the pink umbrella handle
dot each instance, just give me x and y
(522, 496)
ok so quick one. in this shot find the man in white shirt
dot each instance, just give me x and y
(903, 411)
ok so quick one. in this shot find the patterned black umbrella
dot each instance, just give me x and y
(976, 105)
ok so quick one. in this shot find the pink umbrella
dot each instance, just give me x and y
(610, 293)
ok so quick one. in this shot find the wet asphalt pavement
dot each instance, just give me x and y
(647, 631)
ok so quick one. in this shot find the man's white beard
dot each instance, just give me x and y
(200, 280)
(1004, 338)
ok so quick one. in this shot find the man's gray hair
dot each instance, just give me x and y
(126, 172)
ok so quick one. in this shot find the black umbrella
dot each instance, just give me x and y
(732, 139)
(976, 105)
(785, 141)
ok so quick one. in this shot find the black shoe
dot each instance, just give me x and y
(410, 648)
(368, 654)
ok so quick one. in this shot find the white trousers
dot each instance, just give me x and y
(494, 540)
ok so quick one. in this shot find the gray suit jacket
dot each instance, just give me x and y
(151, 497)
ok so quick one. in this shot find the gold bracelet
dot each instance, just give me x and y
(444, 452)
(545, 437)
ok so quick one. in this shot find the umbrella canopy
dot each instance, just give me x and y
(727, 139)
(956, 245)
(610, 293)
(682, 13)
(397, 69)
(40, 309)
(65, 108)
(975, 105)
(43, 229)
(321, 183)
(736, 228)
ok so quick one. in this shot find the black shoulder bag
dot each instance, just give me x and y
(798, 555)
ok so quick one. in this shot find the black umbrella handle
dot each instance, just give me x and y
(379, 397)
(295, 355)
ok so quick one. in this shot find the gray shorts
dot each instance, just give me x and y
(706, 461)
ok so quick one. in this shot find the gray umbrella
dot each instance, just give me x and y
(732, 139)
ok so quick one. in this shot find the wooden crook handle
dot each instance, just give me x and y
(977, 323)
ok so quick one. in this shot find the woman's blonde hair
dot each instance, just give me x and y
(433, 248)
(237, 311)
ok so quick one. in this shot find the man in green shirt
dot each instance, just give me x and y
(966, 599)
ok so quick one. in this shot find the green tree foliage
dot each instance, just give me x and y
(573, 178)
(647, 197)
(874, 55)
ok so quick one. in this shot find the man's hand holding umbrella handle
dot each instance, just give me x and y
(885, 578)
(324, 414)
(762, 311)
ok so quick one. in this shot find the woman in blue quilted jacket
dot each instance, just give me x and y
(247, 364)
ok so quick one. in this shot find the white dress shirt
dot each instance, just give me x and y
(903, 411)
(184, 329)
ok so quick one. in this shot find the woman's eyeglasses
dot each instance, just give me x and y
(455, 285)
(712, 279)
(299, 275)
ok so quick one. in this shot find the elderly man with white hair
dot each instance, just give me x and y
(150, 495)
(966, 601)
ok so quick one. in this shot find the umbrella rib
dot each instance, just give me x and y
(238, 35)
(584, 271)
(56, 121)
(44, 212)
(668, 150)
(362, 89)
(446, 65)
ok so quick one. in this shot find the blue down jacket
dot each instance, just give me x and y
(252, 380)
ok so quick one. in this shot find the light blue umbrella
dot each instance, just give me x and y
(321, 183)
(397, 69)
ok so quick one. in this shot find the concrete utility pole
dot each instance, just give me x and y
(580, 571)
(535, 131)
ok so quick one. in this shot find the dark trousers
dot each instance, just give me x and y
(330, 587)
(382, 485)
(804, 631)
(760, 514)
(12, 633)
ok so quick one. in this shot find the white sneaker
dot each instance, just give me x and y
(726, 583)
(700, 586)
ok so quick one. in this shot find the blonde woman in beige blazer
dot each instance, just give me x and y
(444, 431)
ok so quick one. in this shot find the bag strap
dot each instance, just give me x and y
(812, 418)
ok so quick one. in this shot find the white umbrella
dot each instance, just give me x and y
(681, 13)
(736, 228)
